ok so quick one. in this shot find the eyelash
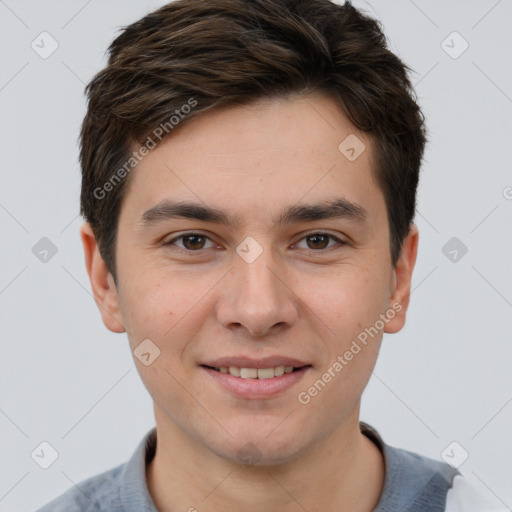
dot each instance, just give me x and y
(192, 233)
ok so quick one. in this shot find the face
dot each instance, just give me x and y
(280, 259)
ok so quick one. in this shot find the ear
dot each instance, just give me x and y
(102, 283)
(402, 275)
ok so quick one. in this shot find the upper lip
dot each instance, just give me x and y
(249, 362)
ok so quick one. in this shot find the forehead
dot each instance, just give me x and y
(249, 158)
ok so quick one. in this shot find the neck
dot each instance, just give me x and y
(343, 472)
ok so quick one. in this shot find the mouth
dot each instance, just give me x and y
(250, 379)
(256, 373)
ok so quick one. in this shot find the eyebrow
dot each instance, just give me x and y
(340, 208)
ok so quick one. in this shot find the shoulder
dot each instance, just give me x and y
(117, 490)
(412, 482)
(463, 497)
(100, 492)
(417, 476)
(404, 464)
(429, 484)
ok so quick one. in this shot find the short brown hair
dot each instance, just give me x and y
(218, 53)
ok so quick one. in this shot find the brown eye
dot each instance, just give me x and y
(190, 242)
(318, 241)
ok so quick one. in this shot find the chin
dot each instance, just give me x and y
(260, 451)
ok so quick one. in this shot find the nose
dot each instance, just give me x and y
(257, 298)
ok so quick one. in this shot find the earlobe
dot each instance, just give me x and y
(102, 283)
(401, 281)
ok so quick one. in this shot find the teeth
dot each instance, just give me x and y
(248, 373)
(265, 373)
(278, 371)
(256, 373)
(233, 370)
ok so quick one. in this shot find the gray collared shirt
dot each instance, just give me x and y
(121, 489)
(412, 483)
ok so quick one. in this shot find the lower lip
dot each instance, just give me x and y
(257, 388)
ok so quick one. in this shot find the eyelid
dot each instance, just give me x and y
(179, 236)
(184, 234)
(336, 237)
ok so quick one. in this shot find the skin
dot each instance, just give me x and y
(299, 298)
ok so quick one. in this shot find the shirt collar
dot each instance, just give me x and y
(134, 493)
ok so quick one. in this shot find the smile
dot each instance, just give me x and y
(255, 373)
(255, 383)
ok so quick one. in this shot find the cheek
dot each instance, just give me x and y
(153, 310)
(349, 304)
(348, 301)
(169, 309)
(149, 309)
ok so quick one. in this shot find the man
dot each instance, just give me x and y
(249, 186)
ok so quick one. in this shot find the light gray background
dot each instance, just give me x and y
(446, 377)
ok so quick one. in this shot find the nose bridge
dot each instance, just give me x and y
(258, 282)
(256, 297)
